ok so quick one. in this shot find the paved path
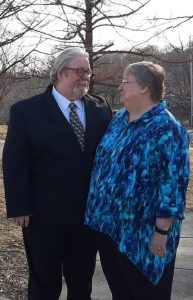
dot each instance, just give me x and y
(1, 149)
(183, 276)
(1, 146)
(190, 132)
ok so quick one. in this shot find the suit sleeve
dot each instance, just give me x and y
(16, 166)
(109, 109)
(107, 105)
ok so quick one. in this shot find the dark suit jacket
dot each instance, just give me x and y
(45, 172)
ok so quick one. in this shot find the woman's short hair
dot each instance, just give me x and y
(63, 61)
(149, 74)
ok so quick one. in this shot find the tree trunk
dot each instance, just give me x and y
(89, 37)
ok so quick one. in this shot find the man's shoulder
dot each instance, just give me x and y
(26, 102)
(98, 100)
(29, 103)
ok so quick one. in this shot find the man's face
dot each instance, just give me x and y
(74, 80)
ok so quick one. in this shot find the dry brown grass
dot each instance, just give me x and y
(3, 130)
(13, 266)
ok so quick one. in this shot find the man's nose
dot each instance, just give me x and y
(86, 76)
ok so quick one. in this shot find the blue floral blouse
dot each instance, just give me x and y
(140, 173)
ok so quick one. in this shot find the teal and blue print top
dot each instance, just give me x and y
(140, 173)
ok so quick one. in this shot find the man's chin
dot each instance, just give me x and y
(80, 92)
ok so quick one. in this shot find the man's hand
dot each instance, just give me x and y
(158, 244)
(22, 221)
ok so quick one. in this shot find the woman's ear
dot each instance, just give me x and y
(145, 89)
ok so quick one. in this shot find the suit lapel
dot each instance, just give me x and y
(92, 111)
(57, 116)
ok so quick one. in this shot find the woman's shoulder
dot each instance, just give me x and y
(170, 130)
(120, 112)
(166, 121)
(119, 115)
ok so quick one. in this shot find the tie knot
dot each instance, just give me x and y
(73, 106)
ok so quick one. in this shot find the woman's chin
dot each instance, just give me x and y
(124, 103)
(122, 100)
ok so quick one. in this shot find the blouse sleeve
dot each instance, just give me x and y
(174, 173)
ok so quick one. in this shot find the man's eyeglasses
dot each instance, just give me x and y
(80, 71)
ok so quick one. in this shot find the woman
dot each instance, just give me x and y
(137, 192)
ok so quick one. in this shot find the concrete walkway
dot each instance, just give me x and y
(183, 276)
(1, 146)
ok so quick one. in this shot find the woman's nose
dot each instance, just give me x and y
(119, 87)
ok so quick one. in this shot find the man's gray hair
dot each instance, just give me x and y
(63, 61)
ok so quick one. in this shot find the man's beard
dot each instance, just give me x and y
(80, 90)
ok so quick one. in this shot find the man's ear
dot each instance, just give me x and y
(61, 74)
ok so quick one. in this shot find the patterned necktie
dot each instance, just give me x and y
(76, 124)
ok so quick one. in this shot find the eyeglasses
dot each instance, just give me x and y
(126, 81)
(80, 71)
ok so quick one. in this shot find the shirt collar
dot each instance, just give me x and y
(64, 102)
(154, 111)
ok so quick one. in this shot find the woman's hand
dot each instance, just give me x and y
(158, 244)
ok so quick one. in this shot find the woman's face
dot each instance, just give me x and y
(130, 92)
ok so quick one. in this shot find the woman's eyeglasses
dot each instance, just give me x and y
(126, 81)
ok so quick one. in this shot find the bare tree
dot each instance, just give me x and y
(77, 23)
(18, 19)
(170, 23)
(33, 28)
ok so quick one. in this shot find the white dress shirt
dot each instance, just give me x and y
(63, 103)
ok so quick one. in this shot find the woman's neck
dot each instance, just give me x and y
(137, 113)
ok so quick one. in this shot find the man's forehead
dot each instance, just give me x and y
(79, 62)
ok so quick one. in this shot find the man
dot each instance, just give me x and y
(47, 162)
